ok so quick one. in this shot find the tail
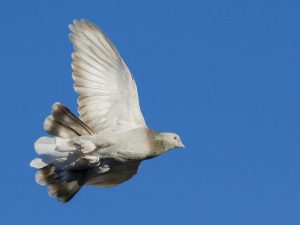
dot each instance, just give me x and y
(63, 123)
(57, 154)
(63, 184)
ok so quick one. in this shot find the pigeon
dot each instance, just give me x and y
(105, 145)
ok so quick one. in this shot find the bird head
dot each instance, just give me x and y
(169, 140)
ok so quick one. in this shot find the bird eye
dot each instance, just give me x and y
(175, 138)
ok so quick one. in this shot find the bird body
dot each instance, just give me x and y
(106, 144)
(136, 144)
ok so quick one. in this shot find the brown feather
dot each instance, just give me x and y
(63, 123)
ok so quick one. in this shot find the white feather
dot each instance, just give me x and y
(102, 79)
(38, 163)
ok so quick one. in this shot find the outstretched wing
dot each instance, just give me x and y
(108, 95)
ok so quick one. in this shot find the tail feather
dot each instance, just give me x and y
(63, 184)
(57, 154)
(63, 123)
(49, 146)
(54, 146)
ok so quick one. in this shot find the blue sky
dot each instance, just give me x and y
(222, 74)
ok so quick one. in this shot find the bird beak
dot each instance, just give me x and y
(181, 145)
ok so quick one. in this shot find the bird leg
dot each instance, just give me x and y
(86, 146)
(85, 149)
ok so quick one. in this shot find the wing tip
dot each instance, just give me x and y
(79, 23)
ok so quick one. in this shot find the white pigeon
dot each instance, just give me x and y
(106, 144)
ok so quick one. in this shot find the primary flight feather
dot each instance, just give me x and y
(106, 144)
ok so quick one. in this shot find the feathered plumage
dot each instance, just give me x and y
(106, 144)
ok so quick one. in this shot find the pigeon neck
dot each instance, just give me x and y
(161, 145)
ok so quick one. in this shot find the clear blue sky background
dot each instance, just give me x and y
(225, 75)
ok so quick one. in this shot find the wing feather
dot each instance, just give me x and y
(108, 95)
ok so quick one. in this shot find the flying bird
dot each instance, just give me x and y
(106, 144)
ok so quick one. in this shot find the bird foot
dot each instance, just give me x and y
(92, 159)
